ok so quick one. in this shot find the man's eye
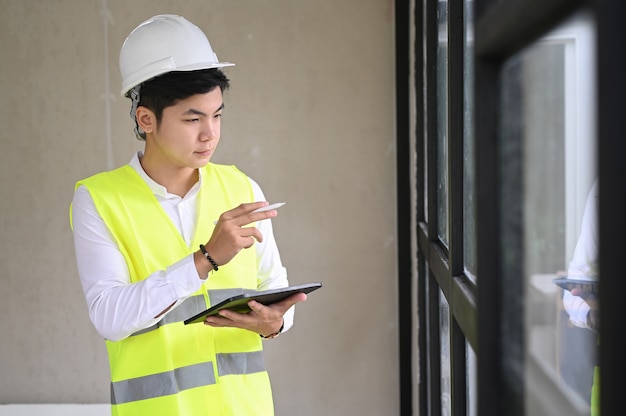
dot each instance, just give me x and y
(192, 120)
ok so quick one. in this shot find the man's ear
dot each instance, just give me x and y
(146, 119)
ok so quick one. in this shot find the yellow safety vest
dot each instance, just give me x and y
(595, 392)
(171, 368)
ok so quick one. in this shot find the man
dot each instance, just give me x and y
(582, 306)
(150, 252)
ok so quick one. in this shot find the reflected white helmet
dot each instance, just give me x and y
(162, 44)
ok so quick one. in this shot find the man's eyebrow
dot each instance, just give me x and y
(193, 111)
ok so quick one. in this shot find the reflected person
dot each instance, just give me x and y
(582, 305)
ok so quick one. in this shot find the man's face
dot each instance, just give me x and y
(189, 131)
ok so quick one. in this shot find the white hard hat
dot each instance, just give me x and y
(162, 44)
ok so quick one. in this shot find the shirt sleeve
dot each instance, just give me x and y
(271, 273)
(576, 308)
(584, 263)
(116, 307)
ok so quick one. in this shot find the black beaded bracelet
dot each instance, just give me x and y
(206, 254)
(275, 334)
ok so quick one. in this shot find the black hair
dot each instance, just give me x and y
(166, 90)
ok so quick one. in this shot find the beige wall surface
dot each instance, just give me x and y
(310, 116)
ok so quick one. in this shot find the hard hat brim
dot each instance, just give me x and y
(165, 67)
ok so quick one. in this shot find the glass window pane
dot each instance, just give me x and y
(442, 121)
(548, 100)
(424, 103)
(469, 217)
(472, 400)
(444, 328)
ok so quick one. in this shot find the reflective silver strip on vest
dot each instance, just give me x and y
(197, 375)
(240, 363)
(162, 384)
(218, 295)
(190, 307)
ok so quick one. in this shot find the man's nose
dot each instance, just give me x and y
(209, 131)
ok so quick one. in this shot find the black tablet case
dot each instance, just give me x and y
(239, 303)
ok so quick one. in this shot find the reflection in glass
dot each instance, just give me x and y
(469, 235)
(424, 161)
(469, 217)
(471, 363)
(548, 104)
(444, 328)
(442, 121)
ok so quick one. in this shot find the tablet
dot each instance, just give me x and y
(589, 286)
(239, 303)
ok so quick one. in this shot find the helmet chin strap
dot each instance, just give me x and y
(134, 96)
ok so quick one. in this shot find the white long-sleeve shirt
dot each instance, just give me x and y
(584, 263)
(118, 308)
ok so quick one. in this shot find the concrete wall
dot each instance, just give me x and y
(310, 116)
